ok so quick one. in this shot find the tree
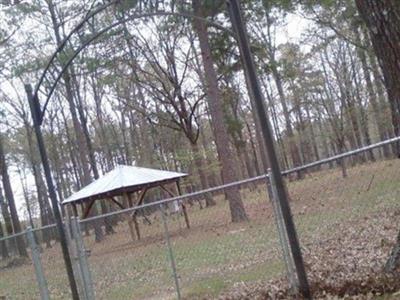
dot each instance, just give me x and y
(3, 245)
(268, 39)
(215, 105)
(383, 21)
(79, 119)
(23, 141)
(164, 78)
(10, 200)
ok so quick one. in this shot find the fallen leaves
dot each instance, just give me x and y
(347, 264)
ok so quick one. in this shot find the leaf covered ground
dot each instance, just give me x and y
(346, 265)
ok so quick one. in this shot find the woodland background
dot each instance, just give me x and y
(168, 92)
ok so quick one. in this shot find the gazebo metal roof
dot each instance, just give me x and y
(123, 179)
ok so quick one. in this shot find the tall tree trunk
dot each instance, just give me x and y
(93, 165)
(6, 214)
(294, 149)
(313, 137)
(275, 124)
(46, 213)
(304, 153)
(3, 245)
(70, 143)
(349, 102)
(133, 135)
(216, 110)
(199, 162)
(123, 127)
(384, 106)
(272, 63)
(263, 164)
(212, 177)
(363, 113)
(371, 94)
(383, 21)
(10, 200)
(254, 150)
(324, 138)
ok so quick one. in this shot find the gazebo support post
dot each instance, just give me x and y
(113, 200)
(86, 228)
(82, 207)
(127, 200)
(139, 202)
(87, 210)
(185, 214)
(133, 217)
(136, 226)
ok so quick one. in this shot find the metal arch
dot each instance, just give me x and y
(41, 112)
(66, 39)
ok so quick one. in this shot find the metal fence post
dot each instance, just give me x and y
(82, 258)
(170, 253)
(35, 252)
(74, 256)
(283, 240)
(37, 115)
(258, 98)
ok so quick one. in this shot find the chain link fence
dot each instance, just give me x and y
(344, 209)
(346, 213)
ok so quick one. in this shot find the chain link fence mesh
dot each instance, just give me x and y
(17, 274)
(346, 215)
(345, 211)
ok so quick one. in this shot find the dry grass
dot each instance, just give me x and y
(216, 255)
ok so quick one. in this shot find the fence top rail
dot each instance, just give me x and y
(24, 232)
(44, 227)
(221, 187)
(341, 156)
(12, 236)
(248, 180)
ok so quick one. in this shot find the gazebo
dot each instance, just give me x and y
(126, 181)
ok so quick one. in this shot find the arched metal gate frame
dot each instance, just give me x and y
(46, 87)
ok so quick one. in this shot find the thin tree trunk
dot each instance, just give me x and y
(263, 164)
(363, 117)
(79, 127)
(294, 150)
(10, 200)
(312, 133)
(254, 151)
(46, 213)
(211, 175)
(371, 94)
